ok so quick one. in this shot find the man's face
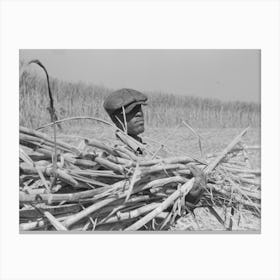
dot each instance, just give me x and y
(135, 121)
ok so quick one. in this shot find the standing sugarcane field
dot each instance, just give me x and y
(196, 167)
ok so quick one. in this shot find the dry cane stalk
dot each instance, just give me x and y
(56, 224)
(154, 169)
(48, 171)
(29, 161)
(184, 189)
(67, 197)
(24, 132)
(122, 150)
(216, 161)
(110, 165)
(197, 135)
(77, 118)
(124, 119)
(239, 170)
(170, 160)
(132, 182)
(122, 154)
(120, 160)
(53, 118)
(54, 210)
(81, 162)
(38, 224)
(79, 216)
(130, 142)
(131, 214)
(100, 145)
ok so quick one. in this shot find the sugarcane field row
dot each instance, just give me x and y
(99, 187)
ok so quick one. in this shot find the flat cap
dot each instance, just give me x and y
(125, 97)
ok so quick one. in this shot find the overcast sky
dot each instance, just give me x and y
(228, 75)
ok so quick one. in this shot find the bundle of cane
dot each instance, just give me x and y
(108, 187)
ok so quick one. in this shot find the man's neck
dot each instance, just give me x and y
(136, 137)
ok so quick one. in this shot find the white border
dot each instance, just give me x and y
(155, 24)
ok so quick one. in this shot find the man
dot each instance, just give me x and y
(124, 107)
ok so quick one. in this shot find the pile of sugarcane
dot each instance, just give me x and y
(101, 187)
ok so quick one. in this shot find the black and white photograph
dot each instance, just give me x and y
(148, 140)
(139, 139)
